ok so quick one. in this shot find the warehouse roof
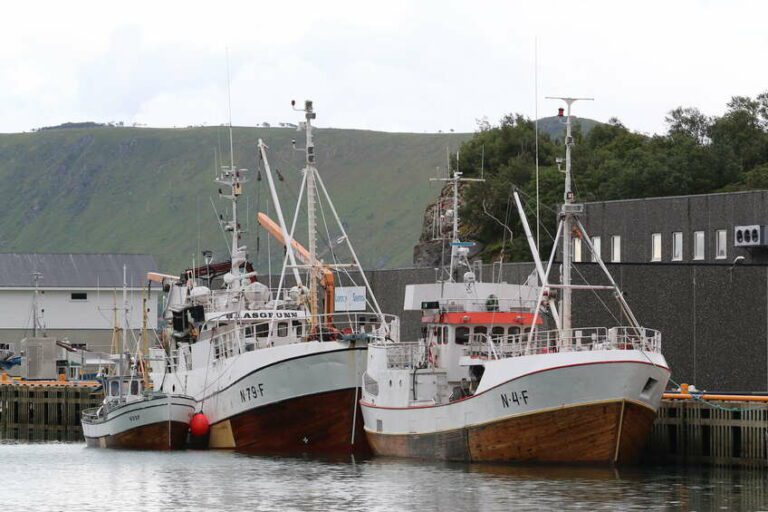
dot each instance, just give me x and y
(74, 270)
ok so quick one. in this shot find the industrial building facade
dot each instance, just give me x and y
(713, 228)
(77, 297)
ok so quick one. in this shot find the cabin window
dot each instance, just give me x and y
(596, 247)
(282, 329)
(78, 296)
(577, 249)
(134, 387)
(677, 246)
(656, 247)
(698, 245)
(615, 248)
(114, 388)
(480, 331)
(262, 330)
(497, 333)
(297, 328)
(514, 331)
(249, 332)
(462, 335)
(721, 251)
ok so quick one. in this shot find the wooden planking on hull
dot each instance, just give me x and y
(147, 437)
(580, 434)
(320, 423)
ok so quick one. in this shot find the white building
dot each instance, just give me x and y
(77, 295)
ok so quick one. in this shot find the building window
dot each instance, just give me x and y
(615, 248)
(656, 247)
(721, 251)
(677, 246)
(596, 247)
(698, 245)
(78, 296)
(577, 249)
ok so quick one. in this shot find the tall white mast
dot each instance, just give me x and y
(311, 185)
(568, 212)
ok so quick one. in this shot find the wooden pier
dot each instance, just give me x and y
(712, 433)
(44, 411)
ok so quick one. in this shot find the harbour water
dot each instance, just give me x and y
(69, 476)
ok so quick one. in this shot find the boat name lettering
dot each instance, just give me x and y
(249, 393)
(514, 398)
(134, 417)
(265, 314)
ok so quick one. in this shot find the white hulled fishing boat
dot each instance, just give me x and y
(270, 372)
(486, 382)
(132, 414)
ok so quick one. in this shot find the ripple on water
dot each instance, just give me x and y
(44, 477)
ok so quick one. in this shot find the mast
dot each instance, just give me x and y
(125, 333)
(567, 214)
(456, 243)
(310, 172)
(36, 323)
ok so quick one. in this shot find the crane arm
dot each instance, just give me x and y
(327, 281)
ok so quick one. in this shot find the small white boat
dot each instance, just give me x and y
(131, 418)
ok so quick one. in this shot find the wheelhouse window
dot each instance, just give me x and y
(78, 296)
(596, 247)
(615, 248)
(577, 249)
(282, 329)
(698, 245)
(656, 247)
(497, 332)
(262, 330)
(721, 251)
(677, 246)
(297, 327)
(462, 335)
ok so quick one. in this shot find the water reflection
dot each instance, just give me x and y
(69, 477)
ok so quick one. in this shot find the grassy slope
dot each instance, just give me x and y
(147, 190)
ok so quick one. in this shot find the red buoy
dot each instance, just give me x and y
(198, 425)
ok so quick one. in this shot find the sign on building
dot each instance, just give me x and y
(350, 298)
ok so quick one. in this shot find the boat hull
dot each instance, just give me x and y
(329, 423)
(157, 424)
(600, 433)
(586, 411)
(271, 400)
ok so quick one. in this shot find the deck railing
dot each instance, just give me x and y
(581, 339)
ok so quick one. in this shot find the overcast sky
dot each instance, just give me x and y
(387, 65)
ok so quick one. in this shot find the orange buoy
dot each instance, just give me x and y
(198, 425)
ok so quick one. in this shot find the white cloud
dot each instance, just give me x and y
(416, 66)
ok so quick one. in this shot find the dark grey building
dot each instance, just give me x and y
(711, 228)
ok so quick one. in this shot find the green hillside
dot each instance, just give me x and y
(115, 189)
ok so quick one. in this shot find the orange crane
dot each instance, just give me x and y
(326, 281)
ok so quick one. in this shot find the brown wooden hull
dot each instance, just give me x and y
(325, 423)
(157, 436)
(600, 433)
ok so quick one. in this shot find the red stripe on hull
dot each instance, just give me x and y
(148, 437)
(604, 433)
(320, 424)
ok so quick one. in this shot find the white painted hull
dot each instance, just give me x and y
(156, 423)
(523, 387)
(248, 385)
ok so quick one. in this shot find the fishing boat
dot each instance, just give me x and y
(491, 381)
(270, 371)
(132, 415)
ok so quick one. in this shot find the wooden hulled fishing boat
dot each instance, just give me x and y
(270, 371)
(488, 382)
